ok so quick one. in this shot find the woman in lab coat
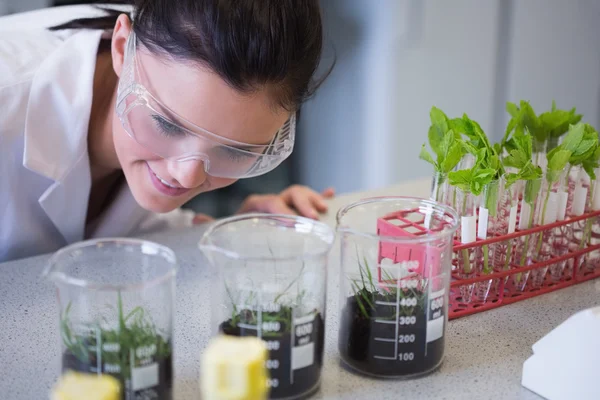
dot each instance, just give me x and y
(108, 126)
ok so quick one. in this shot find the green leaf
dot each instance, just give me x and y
(532, 188)
(439, 127)
(512, 109)
(590, 166)
(424, 155)
(516, 159)
(453, 157)
(557, 161)
(573, 138)
(460, 179)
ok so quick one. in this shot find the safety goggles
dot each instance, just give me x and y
(168, 135)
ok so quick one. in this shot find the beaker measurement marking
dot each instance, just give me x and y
(385, 340)
(98, 349)
(304, 320)
(384, 358)
(397, 316)
(268, 307)
(385, 321)
(247, 326)
(386, 303)
(402, 283)
(273, 345)
(111, 347)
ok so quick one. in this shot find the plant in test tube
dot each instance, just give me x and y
(482, 177)
(133, 344)
(555, 123)
(524, 119)
(445, 144)
(582, 141)
(519, 148)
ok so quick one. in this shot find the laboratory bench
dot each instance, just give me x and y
(484, 352)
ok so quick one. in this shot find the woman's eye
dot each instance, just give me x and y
(167, 128)
(235, 154)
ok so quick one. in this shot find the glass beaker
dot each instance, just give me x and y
(116, 299)
(396, 255)
(269, 280)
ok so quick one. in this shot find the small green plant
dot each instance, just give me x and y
(445, 144)
(556, 123)
(519, 158)
(135, 331)
(366, 293)
(279, 310)
(483, 177)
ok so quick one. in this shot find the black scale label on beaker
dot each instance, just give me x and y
(295, 350)
(148, 379)
(399, 331)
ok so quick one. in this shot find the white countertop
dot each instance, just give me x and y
(484, 354)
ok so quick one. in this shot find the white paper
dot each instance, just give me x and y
(468, 226)
(144, 377)
(435, 326)
(556, 373)
(483, 223)
(525, 214)
(303, 356)
(512, 219)
(561, 209)
(551, 207)
(579, 201)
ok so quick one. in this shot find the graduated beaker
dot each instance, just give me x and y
(116, 299)
(269, 275)
(396, 256)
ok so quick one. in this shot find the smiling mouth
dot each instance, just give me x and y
(165, 187)
(165, 182)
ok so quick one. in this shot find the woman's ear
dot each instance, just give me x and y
(119, 42)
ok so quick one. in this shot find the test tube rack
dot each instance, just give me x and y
(501, 290)
(579, 268)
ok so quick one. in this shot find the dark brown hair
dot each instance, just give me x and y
(248, 43)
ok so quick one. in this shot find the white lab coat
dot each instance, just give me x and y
(46, 81)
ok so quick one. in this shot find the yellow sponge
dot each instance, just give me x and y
(233, 368)
(80, 386)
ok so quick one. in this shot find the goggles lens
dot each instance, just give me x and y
(164, 133)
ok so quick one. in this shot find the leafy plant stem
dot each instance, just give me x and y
(524, 252)
(587, 230)
(465, 252)
(541, 234)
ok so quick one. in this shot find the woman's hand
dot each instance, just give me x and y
(295, 200)
(202, 219)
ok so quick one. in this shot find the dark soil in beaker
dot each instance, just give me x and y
(154, 378)
(389, 340)
(296, 376)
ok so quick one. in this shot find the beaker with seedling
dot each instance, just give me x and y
(396, 256)
(116, 299)
(269, 275)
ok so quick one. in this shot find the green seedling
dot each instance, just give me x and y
(135, 330)
(366, 293)
(445, 144)
(283, 315)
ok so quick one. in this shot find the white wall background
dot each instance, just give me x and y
(397, 58)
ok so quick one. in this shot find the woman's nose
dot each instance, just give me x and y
(190, 173)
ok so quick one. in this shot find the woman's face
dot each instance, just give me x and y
(204, 99)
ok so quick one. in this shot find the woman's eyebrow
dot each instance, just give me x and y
(249, 147)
